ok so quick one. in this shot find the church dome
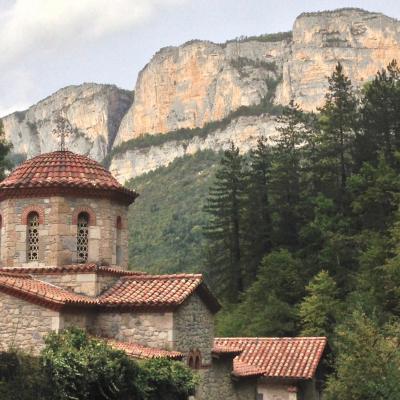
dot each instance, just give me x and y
(63, 173)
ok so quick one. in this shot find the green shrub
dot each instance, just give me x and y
(74, 366)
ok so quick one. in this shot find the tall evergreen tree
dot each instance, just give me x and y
(285, 176)
(257, 217)
(223, 233)
(338, 124)
(380, 122)
(319, 309)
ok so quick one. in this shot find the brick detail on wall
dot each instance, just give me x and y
(27, 210)
(89, 211)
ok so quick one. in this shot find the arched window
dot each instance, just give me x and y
(194, 359)
(191, 361)
(33, 236)
(197, 362)
(82, 242)
(118, 247)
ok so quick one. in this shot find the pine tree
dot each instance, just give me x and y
(380, 122)
(223, 233)
(285, 176)
(368, 361)
(319, 309)
(338, 124)
(257, 217)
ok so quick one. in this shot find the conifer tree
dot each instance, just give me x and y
(223, 233)
(338, 124)
(257, 217)
(285, 176)
(380, 112)
(319, 309)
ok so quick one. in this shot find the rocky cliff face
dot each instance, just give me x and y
(243, 132)
(94, 112)
(199, 82)
(362, 41)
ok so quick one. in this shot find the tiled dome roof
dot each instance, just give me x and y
(63, 173)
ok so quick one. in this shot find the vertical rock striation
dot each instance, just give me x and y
(199, 82)
(364, 42)
(94, 112)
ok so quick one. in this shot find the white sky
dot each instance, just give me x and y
(48, 44)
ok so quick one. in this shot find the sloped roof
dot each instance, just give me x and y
(157, 291)
(133, 292)
(46, 294)
(143, 352)
(73, 269)
(284, 358)
(61, 173)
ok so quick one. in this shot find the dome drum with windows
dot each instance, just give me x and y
(62, 208)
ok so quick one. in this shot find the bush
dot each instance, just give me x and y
(75, 366)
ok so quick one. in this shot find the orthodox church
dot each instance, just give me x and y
(63, 263)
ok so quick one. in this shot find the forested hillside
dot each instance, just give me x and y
(167, 219)
(299, 237)
(303, 236)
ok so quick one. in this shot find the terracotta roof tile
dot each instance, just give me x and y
(73, 269)
(133, 291)
(152, 291)
(62, 171)
(42, 292)
(138, 351)
(291, 358)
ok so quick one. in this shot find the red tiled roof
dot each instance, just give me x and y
(73, 269)
(290, 358)
(138, 351)
(219, 349)
(63, 172)
(133, 292)
(24, 286)
(157, 291)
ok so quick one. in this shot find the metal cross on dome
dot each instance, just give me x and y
(62, 130)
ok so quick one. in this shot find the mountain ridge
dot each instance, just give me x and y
(201, 82)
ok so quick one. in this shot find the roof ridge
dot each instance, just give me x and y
(163, 276)
(271, 338)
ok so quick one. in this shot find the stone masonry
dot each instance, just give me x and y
(194, 328)
(57, 233)
(23, 325)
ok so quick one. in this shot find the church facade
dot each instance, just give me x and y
(64, 259)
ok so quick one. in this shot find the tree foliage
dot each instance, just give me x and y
(75, 366)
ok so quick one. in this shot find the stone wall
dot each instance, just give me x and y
(152, 329)
(277, 391)
(79, 319)
(216, 383)
(91, 284)
(24, 324)
(57, 232)
(194, 328)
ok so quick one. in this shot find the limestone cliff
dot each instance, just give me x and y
(94, 112)
(199, 82)
(362, 41)
(243, 131)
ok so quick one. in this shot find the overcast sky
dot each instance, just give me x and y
(48, 44)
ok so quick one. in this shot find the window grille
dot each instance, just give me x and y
(82, 238)
(33, 236)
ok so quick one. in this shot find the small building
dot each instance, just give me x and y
(63, 263)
